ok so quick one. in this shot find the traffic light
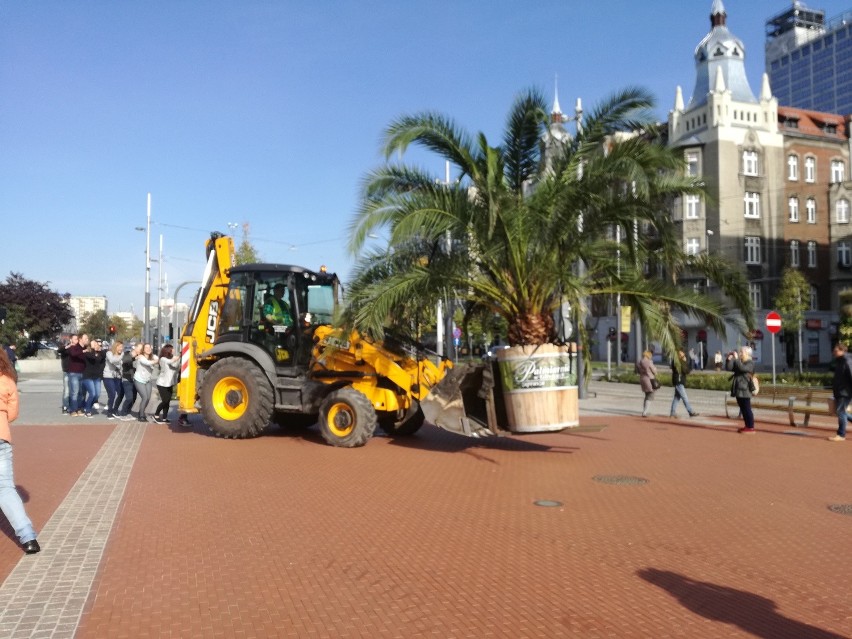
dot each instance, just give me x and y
(112, 330)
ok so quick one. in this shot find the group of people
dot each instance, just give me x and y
(741, 364)
(127, 375)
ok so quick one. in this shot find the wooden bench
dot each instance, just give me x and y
(793, 400)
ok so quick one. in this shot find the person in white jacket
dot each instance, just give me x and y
(145, 364)
(165, 381)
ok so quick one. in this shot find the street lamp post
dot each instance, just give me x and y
(146, 314)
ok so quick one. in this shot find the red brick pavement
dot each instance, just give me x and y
(48, 460)
(284, 536)
(438, 536)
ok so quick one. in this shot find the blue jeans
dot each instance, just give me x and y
(129, 396)
(680, 394)
(115, 393)
(93, 392)
(75, 384)
(10, 500)
(842, 418)
(66, 395)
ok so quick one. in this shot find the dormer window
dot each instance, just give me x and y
(736, 52)
(830, 128)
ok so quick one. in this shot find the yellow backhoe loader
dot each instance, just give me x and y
(259, 346)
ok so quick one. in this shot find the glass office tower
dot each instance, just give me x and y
(809, 59)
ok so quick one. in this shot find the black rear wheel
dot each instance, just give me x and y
(236, 398)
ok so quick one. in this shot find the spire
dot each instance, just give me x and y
(718, 16)
(765, 91)
(556, 108)
(678, 105)
(720, 81)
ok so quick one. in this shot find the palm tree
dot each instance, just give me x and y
(518, 224)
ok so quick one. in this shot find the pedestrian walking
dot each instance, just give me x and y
(64, 359)
(680, 369)
(76, 366)
(741, 364)
(165, 381)
(842, 388)
(128, 369)
(10, 501)
(112, 378)
(647, 379)
(145, 363)
(92, 376)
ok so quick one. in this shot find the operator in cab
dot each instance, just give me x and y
(275, 310)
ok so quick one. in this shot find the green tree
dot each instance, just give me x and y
(520, 223)
(791, 302)
(246, 253)
(34, 311)
(95, 324)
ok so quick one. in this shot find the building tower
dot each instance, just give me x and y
(809, 60)
(731, 138)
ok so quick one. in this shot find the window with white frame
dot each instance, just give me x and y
(810, 207)
(810, 169)
(838, 171)
(844, 254)
(750, 162)
(793, 167)
(692, 164)
(755, 294)
(752, 204)
(812, 255)
(692, 246)
(814, 298)
(842, 209)
(793, 208)
(752, 249)
(693, 206)
(794, 253)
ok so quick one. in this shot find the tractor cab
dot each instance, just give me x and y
(277, 307)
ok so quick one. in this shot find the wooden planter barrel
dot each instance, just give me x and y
(539, 387)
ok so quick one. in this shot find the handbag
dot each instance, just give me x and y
(655, 383)
(753, 384)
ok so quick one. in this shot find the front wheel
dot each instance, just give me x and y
(408, 425)
(236, 398)
(347, 418)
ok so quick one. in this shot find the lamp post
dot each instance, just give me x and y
(146, 327)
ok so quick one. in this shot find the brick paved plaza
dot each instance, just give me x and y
(661, 528)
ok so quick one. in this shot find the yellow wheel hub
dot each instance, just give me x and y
(341, 419)
(230, 398)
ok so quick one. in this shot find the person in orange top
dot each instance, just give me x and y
(10, 500)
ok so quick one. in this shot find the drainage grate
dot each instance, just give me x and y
(841, 509)
(620, 479)
(547, 503)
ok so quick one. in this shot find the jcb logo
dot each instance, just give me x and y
(212, 321)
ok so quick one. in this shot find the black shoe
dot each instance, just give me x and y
(31, 547)
(693, 414)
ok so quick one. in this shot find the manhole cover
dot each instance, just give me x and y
(547, 503)
(841, 509)
(619, 479)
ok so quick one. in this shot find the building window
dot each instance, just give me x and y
(693, 206)
(755, 295)
(793, 168)
(793, 207)
(842, 209)
(692, 246)
(794, 253)
(812, 260)
(814, 298)
(810, 207)
(752, 204)
(692, 164)
(752, 250)
(750, 162)
(810, 169)
(838, 171)
(844, 255)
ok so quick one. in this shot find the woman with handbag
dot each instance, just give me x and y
(647, 379)
(743, 367)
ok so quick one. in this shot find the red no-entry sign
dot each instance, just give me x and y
(773, 322)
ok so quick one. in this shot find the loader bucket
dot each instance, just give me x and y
(463, 402)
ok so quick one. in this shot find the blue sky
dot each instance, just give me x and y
(272, 112)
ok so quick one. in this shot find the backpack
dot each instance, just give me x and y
(753, 384)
